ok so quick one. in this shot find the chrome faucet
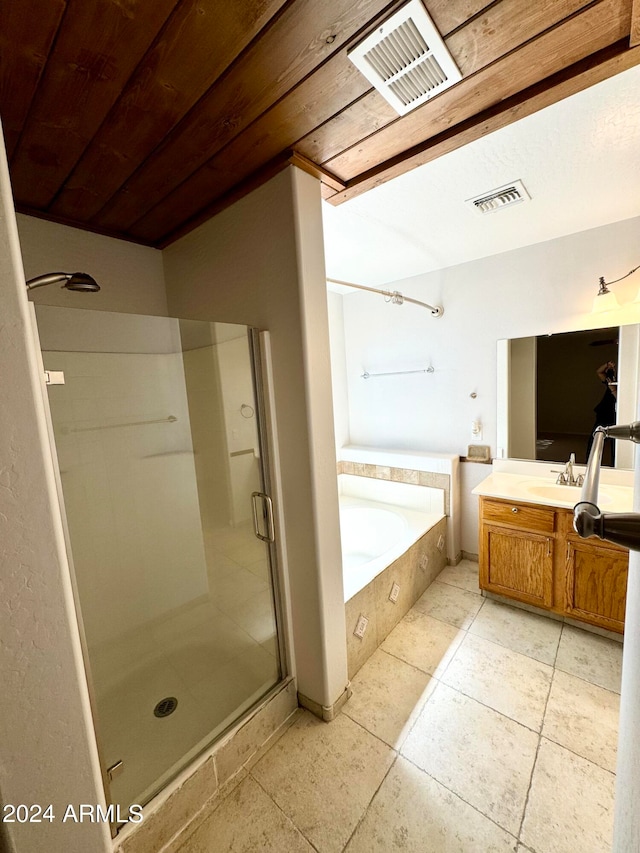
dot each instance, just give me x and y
(567, 477)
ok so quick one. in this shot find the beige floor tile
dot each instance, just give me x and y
(247, 820)
(323, 776)
(388, 695)
(527, 633)
(570, 805)
(513, 684)
(584, 718)
(423, 642)
(449, 604)
(591, 657)
(479, 754)
(416, 814)
(464, 576)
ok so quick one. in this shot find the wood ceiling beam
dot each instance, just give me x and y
(318, 172)
(591, 70)
(501, 29)
(268, 171)
(25, 43)
(304, 36)
(274, 131)
(634, 39)
(600, 25)
(98, 46)
(545, 52)
(322, 94)
(164, 88)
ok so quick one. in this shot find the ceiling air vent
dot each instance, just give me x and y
(502, 197)
(406, 59)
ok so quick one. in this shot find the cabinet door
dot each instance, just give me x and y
(517, 564)
(596, 584)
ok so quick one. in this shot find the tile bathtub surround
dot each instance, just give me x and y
(373, 600)
(433, 756)
(401, 475)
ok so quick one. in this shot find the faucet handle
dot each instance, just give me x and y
(580, 480)
(562, 480)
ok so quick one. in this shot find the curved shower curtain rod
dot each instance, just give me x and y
(393, 296)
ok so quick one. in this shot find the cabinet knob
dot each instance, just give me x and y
(514, 509)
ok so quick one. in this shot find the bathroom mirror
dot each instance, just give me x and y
(551, 393)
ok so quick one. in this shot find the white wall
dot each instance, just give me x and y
(131, 276)
(547, 287)
(261, 262)
(47, 747)
(338, 370)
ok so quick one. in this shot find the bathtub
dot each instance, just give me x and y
(379, 521)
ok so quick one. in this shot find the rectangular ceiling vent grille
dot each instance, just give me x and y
(498, 199)
(406, 59)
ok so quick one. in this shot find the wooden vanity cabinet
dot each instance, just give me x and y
(596, 583)
(531, 553)
(517, 551)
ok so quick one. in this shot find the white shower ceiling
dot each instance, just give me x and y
(579, 160)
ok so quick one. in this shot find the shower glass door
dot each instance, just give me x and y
(157, 433)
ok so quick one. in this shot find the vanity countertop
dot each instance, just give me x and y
(525, 488)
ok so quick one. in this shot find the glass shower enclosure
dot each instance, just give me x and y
(160, 446)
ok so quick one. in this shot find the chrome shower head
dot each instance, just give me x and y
(81, 282)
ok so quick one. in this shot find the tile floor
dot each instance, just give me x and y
(475, 728)
(216, 655)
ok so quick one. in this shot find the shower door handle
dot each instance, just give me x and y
(267, 516)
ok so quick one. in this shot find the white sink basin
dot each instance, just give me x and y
(569, 495)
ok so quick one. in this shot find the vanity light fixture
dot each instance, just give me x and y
(605, 300)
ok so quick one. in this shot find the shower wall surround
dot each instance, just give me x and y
(130, 505)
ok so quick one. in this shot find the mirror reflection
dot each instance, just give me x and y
(561, 386)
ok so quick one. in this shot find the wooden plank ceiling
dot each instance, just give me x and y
(141, 119)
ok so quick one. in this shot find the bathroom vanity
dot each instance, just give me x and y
(530, 552)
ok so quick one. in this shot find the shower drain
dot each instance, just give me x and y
(165, 707)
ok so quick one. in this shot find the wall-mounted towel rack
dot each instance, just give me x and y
(367, 375)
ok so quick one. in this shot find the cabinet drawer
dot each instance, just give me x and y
(525, 517)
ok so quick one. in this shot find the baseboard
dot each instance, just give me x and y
(325, 712)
